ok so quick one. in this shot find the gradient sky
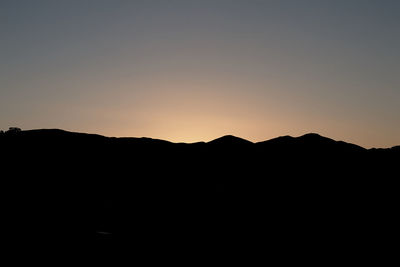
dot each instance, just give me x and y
(196, 70)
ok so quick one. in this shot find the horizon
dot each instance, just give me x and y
(189, 71)
(199, 141)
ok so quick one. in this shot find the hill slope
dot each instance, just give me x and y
(228, 192)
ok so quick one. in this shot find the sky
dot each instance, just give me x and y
(189, 71)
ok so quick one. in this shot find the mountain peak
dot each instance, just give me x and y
(314, 137)
(230, 140)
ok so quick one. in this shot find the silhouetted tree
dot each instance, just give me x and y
(14, 130)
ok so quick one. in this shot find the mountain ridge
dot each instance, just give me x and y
(74, 187)
(226, 139)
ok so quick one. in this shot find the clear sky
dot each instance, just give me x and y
(196, 70)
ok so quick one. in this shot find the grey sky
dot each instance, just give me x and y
(194, 70)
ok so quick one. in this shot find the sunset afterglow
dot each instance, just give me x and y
(189, 71)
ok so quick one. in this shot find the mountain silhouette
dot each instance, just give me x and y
(230, 140)
(310, 192)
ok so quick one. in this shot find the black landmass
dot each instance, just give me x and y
(292, 196)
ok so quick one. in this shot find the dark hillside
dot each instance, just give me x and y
(310, 192)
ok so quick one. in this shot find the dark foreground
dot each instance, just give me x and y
(290, 199)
